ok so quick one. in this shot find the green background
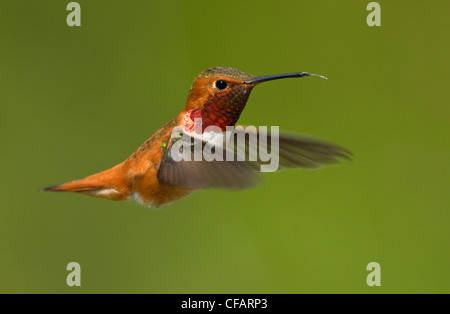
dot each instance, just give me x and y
(78, 100)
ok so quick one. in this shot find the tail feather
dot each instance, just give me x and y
(74, 186)
(107, 184)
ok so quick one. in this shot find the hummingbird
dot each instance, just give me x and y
(217, 98)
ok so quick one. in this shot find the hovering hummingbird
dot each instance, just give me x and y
(217, 96)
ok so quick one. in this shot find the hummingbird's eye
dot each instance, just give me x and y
(221, 84)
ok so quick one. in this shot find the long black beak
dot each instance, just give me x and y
(266, 78)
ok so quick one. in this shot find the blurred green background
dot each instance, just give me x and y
(75, 101)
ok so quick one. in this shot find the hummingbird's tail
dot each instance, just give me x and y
(105, 184)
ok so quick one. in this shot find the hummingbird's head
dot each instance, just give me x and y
(219, 95)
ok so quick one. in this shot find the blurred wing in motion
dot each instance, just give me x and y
(249, 150)
(203, 174)
(300, 151)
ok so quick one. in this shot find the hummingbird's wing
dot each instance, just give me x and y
(190, 162)
(294, 151)
(235, 159)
